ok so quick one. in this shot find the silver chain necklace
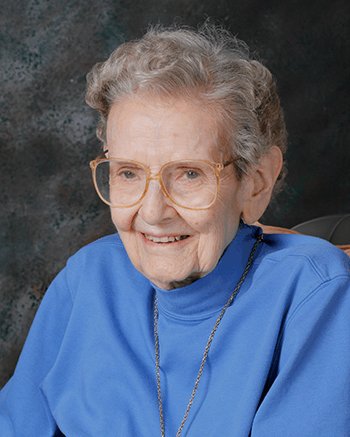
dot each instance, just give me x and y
(206, 351)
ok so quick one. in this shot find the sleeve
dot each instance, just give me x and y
(309, 392)
(24, 411)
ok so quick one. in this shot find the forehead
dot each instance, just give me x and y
(168, 130)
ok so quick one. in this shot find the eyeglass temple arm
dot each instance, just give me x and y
(229, 162)
(100, 156)
(94, 162)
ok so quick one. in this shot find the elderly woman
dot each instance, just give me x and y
(189, 321)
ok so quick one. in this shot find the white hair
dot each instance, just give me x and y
(207, 65)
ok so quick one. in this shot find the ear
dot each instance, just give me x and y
(258, 185)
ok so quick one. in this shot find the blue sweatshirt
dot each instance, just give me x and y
(279, 363)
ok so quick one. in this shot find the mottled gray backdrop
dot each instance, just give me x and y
(48, 207)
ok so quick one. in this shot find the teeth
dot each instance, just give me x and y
(170, 239)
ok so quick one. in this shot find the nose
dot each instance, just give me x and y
(155, 207)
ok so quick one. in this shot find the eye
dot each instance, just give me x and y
(192, 174)
(185, 174)
(127, 174)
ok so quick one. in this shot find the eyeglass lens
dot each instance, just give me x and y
(190, 184)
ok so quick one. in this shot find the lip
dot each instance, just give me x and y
(161, 244)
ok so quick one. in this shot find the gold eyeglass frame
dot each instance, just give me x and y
(218, 167)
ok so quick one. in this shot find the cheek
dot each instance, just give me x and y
(196, 224)
(122, 218)
(208, 224)
(220, 226)
(200, 221)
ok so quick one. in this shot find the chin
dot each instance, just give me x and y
(187, 281)
(169, 282)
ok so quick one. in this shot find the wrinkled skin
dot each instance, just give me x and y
(155, 132)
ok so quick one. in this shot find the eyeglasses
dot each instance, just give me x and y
(189, 184)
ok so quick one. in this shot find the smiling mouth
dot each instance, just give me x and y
(170, 239)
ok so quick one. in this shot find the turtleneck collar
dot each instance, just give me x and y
(209, 294)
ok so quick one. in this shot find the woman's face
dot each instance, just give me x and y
(155, 132)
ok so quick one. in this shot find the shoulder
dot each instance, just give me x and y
(301, 274)
(103, 264)
(112, 240)
(100, 249)
(298, 253)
